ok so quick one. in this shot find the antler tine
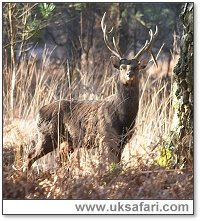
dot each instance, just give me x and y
(148, 46)
(116, 47)
(116, 50)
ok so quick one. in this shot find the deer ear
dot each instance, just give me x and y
(115, 61)
(143, 64)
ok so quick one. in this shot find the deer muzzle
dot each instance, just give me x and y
(130, 74)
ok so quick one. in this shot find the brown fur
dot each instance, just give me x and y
(91, 123)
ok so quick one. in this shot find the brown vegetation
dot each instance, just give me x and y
(83, 176)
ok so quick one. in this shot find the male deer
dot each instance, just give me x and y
(78, 122)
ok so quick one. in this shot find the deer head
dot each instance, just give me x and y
(129, 68)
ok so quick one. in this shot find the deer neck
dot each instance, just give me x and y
(127, 102)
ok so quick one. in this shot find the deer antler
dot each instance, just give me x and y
(115, 50)
(148, 46)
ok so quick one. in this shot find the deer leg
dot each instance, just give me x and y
(66, 149)
(43, 147)
(111, 149)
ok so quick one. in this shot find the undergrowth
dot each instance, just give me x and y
(146, 170)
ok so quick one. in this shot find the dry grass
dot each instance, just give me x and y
(83, 176)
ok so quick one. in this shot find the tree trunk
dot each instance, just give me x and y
(183, 85)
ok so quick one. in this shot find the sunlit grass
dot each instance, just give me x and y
(37, 85)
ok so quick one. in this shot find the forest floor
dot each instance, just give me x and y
(136, 178)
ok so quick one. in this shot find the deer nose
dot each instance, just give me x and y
(130, 73)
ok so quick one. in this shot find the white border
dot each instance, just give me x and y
(126, 207)
(24, 204)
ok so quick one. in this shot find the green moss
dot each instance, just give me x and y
(164, 158)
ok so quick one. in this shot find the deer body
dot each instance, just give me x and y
(108, 122)
(72, 121)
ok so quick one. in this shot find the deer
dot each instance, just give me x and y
(110, 121)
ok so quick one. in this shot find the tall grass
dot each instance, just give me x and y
(85, 175)
(39, 83)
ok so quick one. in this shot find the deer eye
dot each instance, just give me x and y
(123, 67)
